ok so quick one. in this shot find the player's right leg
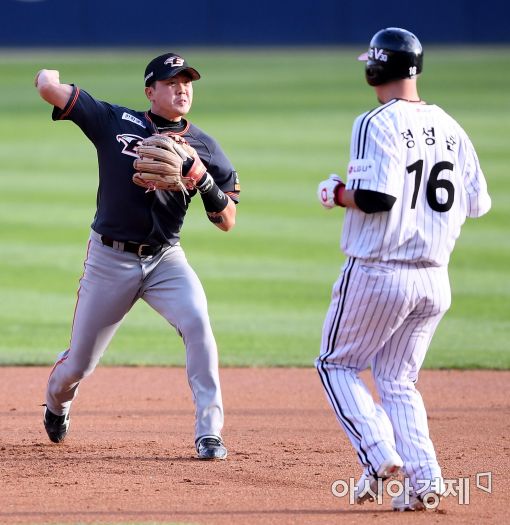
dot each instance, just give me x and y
(108, 288)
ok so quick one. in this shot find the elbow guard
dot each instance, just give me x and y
(370, 201)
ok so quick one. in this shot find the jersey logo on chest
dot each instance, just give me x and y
(129, 142)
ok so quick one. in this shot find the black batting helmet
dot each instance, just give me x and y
(394, 53)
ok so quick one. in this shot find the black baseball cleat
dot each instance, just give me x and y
(211, 447)
(56, 426)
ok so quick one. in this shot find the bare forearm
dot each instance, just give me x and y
(220, 208)
(225, 219)
(47, 82)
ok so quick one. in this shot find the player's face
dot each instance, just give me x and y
(171, 98)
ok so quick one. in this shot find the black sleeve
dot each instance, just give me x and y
(217, 163)
(223, 173)
(91, 115)
(371, 201)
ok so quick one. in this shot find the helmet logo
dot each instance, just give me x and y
(378, 54)
(412, 71)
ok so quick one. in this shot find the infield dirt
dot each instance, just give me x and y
(129, 456)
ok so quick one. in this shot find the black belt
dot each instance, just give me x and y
(142, 250)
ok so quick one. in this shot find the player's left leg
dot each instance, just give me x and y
(395, 369)
(174, 290)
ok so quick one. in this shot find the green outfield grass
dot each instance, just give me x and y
(284, 117)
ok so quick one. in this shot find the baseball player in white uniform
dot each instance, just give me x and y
(412, 179)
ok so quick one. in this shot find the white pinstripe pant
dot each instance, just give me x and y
(383, 315)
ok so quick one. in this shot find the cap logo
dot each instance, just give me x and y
(174, 61)
(378, 54)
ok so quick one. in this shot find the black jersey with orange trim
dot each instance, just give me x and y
(125, 212)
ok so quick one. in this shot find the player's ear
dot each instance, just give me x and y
(148, 92)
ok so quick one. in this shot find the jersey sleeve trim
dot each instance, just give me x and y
(234, 195)
(72, 101)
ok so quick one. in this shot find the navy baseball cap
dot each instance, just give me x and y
(167, 66)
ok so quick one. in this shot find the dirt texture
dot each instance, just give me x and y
(129, 456)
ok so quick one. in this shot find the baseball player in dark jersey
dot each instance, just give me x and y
(412, 179)
(133, 251)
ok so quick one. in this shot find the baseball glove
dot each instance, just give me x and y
(167, 163)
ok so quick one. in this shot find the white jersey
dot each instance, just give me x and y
(421, 156)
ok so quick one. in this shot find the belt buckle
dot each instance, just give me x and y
(140, 248)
